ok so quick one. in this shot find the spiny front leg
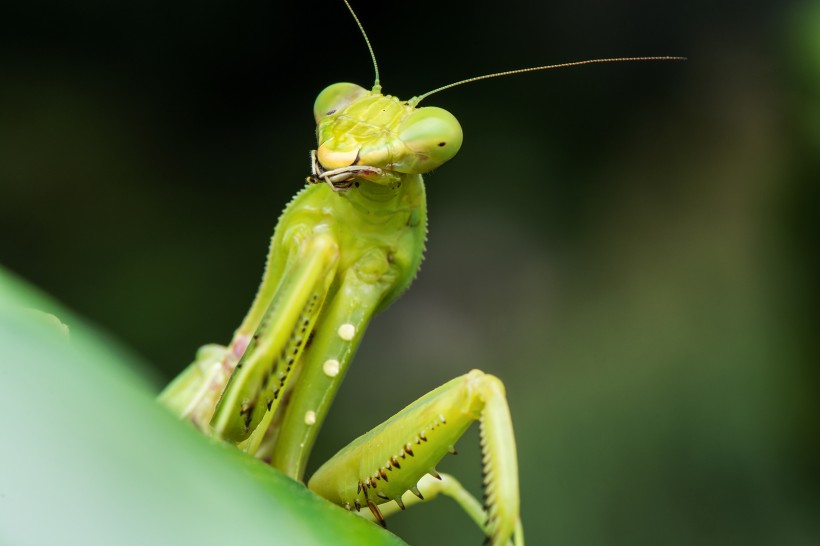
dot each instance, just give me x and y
(390, 459)
(337, 335)
(250, 374)
(246, 407)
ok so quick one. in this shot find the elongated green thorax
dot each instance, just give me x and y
(376, 236)
(378, 261)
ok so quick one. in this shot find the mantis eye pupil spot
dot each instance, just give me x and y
(441, 144)
(329, 112)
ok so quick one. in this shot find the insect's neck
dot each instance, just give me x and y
(380, 200)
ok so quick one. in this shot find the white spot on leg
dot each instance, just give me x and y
(347, 331)
(310, 417)
(331, 367)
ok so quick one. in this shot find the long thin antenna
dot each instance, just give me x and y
(377, 86)
(415, 100)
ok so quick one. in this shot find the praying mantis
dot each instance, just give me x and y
(348, 244)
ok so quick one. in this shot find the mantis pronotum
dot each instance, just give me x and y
(345, 247)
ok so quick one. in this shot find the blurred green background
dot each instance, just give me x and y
(629, 247)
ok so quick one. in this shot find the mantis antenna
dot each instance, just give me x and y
(415, 100)
(377, 86)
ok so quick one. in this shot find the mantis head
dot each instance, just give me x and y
(360, 129)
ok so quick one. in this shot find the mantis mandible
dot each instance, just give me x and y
(345, 247)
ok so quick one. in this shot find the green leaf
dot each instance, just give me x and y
(87, 456)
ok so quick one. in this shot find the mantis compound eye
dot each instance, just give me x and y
(336, 97)
(432, 135)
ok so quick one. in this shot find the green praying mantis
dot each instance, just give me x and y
(346, 246)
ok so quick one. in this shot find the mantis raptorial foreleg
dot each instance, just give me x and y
(260, 359)
(261, 376)
(324, 364)
(383, 464)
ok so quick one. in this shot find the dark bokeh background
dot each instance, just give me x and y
(631, 248)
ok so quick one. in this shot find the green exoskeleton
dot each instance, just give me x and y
(345, 247)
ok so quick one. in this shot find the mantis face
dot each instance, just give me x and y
(365, 134)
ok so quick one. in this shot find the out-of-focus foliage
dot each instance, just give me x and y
(89, 458)
(630, 247)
